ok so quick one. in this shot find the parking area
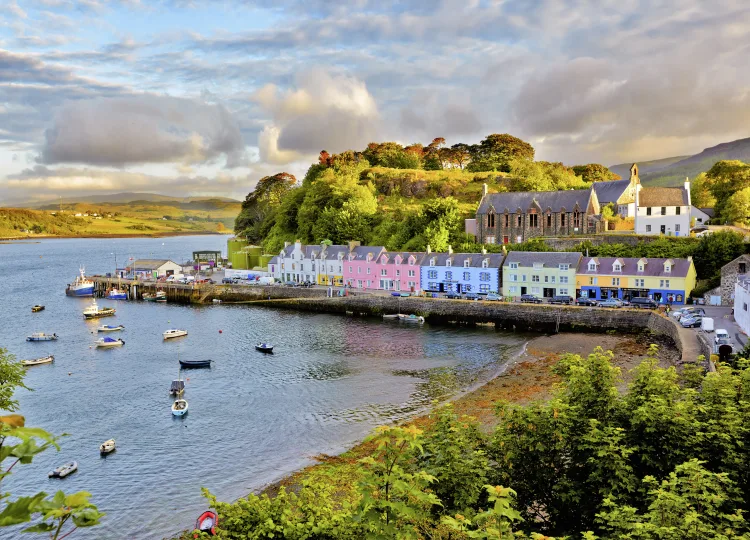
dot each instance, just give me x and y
(723, 319)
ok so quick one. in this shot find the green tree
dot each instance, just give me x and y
(700, 194)
(261, 203)
(724, 179)
(716, 250)
(12, 374)
(496, 152)
(737, 209)
(542, 176)
(594, 172)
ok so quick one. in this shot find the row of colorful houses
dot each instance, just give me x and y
(543, 274)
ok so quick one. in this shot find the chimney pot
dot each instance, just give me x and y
(450, 249)
(429, 250)
(484, 190)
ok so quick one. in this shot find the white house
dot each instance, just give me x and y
(701, 215)
(742, 303)
(661, 210)
(297, 263)
(155, 268)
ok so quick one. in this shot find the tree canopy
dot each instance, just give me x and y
(496, 152)
(594, 172)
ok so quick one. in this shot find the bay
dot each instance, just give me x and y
(253, 418)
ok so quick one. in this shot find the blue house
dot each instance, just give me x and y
(461, 272)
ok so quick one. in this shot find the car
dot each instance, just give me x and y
(558, 299)
(691, 321)
(454, 296)
(290, 284)
(611, 303)
(227, 280)
(492, 296)
(643, 302)
(471, 296)
(171, 278)
(530, 298)
(586, 301)
(687, 311)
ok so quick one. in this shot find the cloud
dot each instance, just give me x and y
(142, 129)
(324, 111)
(14, 9)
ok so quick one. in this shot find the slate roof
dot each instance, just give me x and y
(418, 256)
(308, 251)
(150, 264)
(654, 267)
(609, 192)
(550, 259)
(554, 200)
(332, 252)
(360, 252)
(274, 260)
(708, 211)
(662, 196)
(457, 259)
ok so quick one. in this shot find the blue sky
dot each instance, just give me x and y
(206, 97)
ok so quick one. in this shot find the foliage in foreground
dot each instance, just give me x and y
(667, 459)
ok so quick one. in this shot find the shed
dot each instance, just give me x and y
(207, 256)
(154, 268)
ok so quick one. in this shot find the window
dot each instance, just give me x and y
(398, 273)
(639, 282)
(432, 274)
(563, 267)
(432, 286)
(507, 220)
(448, 263)
(485, 263)
(744, 306)
(466, 263)
(491, 219)
(449, 276)
(383, 271)
(617, 267)
(412, 284)
(576, 219)
(663, 210)
(351, 270)
(546, 279)
(432, 262)
(359, 269)
(359, 283)
(513, 266)
(467, 287)
(411, 261)
(484, 288)
(533, 220)
(592, 266)
(412, 273)
(549, 220)
(513, 289)
(668, 268)
(518, 221)
(562, 219)
(484, 276)
(592, 281)
(742, 268)
(523, 277)
(563, 279)
(677, 210)
(535, 278)
(368, 271)
(562, 292)
(552, 279)
(538, 265)
(535, 290)
(677, 227)
(648, 211)
(666, 283)
(514, 277)
(648, 227)
(615, 282)
(467, 276)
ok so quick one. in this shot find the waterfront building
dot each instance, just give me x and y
(331, 265)
(153, 268)
(360, 268)
(461, 272)
(296, 263)
(667, 281)
(662, 210)
(543, 274)
(741, 302)
(619, 193)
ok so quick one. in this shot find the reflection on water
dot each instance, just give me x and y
(253, 417)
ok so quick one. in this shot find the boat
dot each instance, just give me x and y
(415, 319)
(107, 447)
(216, 301)
(177, 387)
(195, 363)
(64, 470)
(107, 342)
(37, 309)
(117, 294)
(82, 286)
(180, 407)
(41, 336)
(38, 361)
(159, 296)
(264, 347)
(207, 522)
(174, 333)
(94, 311)
(110, 328)
(392, 317)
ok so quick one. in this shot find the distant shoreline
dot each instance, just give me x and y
(11, 239)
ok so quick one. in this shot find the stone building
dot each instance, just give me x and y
(518, 216)
(619, 193)
(729, 273)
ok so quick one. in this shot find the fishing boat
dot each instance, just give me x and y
(158, 296)
(108, 342)
(110, 328)
(37, 309)
(82, 286)
(117, 294)
(174, 333)
(64, 470)
(188, 364)
(180, 407)
(94, 311)
(41, 336)
(414, 319)
(207, 522)
(38, 361)
(107, 447)
(264, 347)
(177, 387)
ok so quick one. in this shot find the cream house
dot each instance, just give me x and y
(661, 210)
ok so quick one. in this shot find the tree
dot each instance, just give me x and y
(737, 209)
(391, 154)
(700, 194)
(496, 152)
(724, 179)
(261, 203)
(715, 250)
(12, 374)
(594, 172)
(459, 155)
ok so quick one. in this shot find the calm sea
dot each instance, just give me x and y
(253, 418)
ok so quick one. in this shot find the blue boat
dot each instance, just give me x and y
(117, 294)
(41, 336)
(82, 286)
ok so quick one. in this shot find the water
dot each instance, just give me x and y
(253, 418)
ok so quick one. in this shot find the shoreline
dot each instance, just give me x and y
(13, 239)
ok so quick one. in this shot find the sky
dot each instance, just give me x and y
(199, 97)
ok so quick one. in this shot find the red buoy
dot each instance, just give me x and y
(220, 331)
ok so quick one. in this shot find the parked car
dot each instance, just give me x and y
(688, 311)
(530, 298)
(290, 284)
(492, 296)
(691, 321)
(707, 324)
(171, 278)
(227, 280)
(611, 303)
(308, 284)
(454, 296)
(643, 302)
(471, 296)
(561, 300)
(586, 301)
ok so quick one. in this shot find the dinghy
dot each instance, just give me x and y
(107, 447)
(174, 333)
(195, 363)
(64, 470)
(177, 387)
(107, 342)
(264, 347)
(207, 522)
(414, 319)
(109, 328)
(35, 309)
(180, 407)
(38, 362)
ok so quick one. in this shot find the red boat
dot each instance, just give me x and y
(207, 522)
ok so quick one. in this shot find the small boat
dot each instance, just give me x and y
(110, 328)
(207, 522)
(159, 296)
(64, 470)
(174, 333)
(195, 363)
(177, 387)
(38, 362)
(392, 317)
(180, 407)
(415, 319)
(107, 342)
(94, 311)
(107, 447)
(41, 336)
(37, 309)
(216, 301)
(82, 286)
(117, 294)
(264, 347)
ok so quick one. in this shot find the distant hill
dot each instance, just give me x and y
(672, 171)
(127, 197)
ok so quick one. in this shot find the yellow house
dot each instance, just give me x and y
(667, 281)
(331, 266)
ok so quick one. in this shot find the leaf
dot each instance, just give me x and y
(20, 510)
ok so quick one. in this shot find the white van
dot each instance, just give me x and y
(722, 336)
(707, 324)
(266, 281)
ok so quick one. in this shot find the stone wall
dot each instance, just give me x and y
(729, 273)
(564, 244)
(665, 326)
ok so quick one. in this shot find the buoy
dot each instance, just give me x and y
(70, 373)
(220, 331)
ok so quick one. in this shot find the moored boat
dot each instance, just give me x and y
(415, 319)
(64, 470)
(107, 447)
(82, 286)
(158, 296)
(177, 387)
(264, 347)
(117, 294)
(38, 361)
(95, 312)
(41, 336)
(392, 317)
(180, 407)
(174, 333)
(37, 308)
(195, 363)
(110, 328)
(107, 342)
(207, 522)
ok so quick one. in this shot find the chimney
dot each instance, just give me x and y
(484, 190)
(353, 244)
(505, 251)
(450, 250)
(287, 244)
(484, 251)
(297, 244)
(428, 249)
(687, 188)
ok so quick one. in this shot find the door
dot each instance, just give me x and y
(663, 229)
(506, 240)
(523, 290)
(549, 292)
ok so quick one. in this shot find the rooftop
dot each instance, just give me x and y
(654, 267)
(549, 259)
(663, 196)
(554, 200)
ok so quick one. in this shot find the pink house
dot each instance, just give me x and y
(375, 268)
(360, 270)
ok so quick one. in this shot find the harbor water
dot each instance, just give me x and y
(252, 419)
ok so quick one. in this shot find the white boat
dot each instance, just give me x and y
(107, 446)
(109, 328)
(82, 286)
(415, 319)
(392, 317)
(107, 342)
(174, 333)
(41, 336)
(94, 311)
(64, 470)
(180, 407)
(38, 361)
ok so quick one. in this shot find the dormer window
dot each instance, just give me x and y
(448, 263)
(485, 263)
(411, 261)
(667, 268)
(617, 267)
(369, 257)
(466, 263)
(538, 265)
(514, 266)
(640, 267)
(592, 266)
(432, 262)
